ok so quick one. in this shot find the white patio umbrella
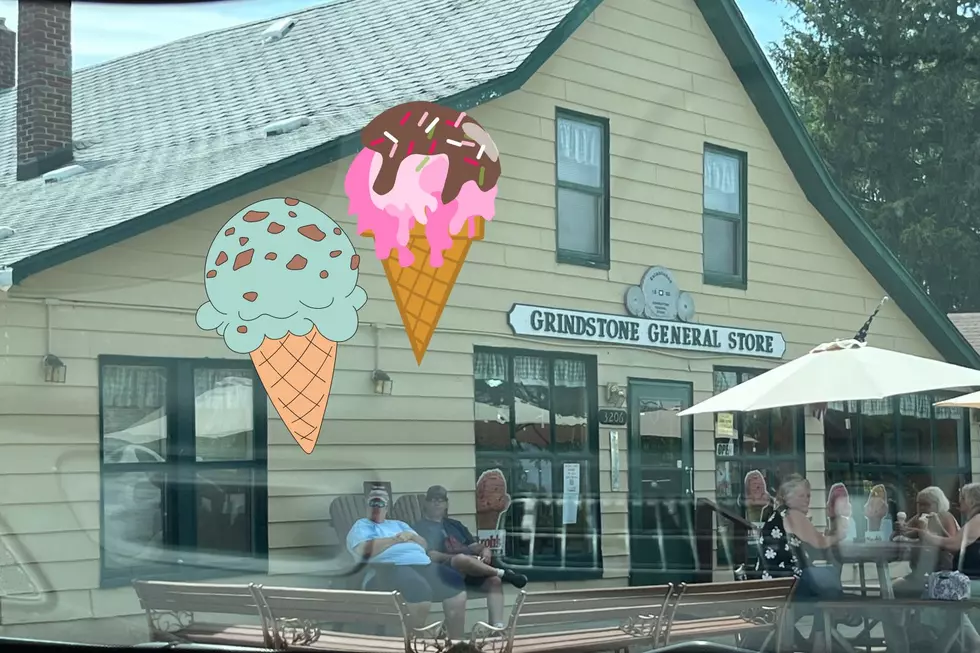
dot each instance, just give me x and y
(844, 370)
(971, 400)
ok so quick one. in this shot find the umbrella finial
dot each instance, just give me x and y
(862, 334)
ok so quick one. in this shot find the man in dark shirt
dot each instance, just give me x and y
(451, 543)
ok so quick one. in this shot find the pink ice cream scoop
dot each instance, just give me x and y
(422, 164)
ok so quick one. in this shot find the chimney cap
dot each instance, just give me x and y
(3, 24)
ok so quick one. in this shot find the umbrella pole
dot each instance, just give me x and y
(862, 334)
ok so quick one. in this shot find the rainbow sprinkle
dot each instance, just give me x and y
(422, 165)
(459, 120)
(479, 182)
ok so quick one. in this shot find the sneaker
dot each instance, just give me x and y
(515, 579)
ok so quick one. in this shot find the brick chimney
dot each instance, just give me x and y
(8, 56)
(44, 140)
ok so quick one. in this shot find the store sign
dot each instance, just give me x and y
(546, 322)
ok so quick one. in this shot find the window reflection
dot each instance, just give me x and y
(134, 518)
(949, 436)
(838, 441)
(492, 397)
(224, 510)
(533, 453)
(915, 435)
(905, 443)
(135, 419)
(532, 403)
(878, 431)
(570, 405)
(224, 420)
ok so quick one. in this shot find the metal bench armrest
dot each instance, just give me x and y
(432, 637)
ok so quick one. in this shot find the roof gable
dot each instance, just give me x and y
(776, 110)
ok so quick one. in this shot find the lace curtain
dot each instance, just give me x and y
(917, 406)
(529, 370)
(579, 153)
(130, 386)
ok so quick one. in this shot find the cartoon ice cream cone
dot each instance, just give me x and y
(492, 499)
(421, 309)
(281, 277)
(424, 184)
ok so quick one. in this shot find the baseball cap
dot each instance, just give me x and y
(436, 493)
(377, 498)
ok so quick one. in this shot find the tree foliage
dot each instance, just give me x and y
(889, 90)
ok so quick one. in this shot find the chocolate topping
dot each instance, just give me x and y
(408, 125)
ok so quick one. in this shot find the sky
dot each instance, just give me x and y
(101, 32)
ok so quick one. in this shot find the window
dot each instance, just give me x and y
(582, 188)
(753, 453)
(725, 230)
(903, 443)
(183, 467)
(537, 441)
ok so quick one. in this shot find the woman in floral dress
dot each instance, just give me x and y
(783, 554)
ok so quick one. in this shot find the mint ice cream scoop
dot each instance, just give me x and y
(280, 266)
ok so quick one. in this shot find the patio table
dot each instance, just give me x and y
(881, 554)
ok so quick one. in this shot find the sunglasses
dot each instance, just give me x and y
(378, 503)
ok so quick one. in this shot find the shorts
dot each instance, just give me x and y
(430, 583)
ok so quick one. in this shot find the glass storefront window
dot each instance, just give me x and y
(535, 429)
(902, 445)
(753, 453)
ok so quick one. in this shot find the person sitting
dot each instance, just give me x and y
(783, 554)
(397, 561)
(964, 544)
(452, 544)
(932, 511)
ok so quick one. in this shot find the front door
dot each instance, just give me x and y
(661, 499)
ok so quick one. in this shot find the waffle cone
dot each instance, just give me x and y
(422, 291)
(297, 372)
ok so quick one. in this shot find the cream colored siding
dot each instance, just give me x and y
(654, 70)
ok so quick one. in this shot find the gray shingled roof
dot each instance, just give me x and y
(159, 126)
(969, 325)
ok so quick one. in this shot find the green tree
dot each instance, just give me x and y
(889, 90)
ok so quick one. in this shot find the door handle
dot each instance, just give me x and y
(690, 480)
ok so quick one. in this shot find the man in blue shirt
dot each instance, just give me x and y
(397, 561)
(452, 545)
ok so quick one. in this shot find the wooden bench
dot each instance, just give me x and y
(580, 621)
(707, 610)
(174, 613)
(296, 617)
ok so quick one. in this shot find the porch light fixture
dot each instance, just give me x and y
(54, 369)
(382, 382)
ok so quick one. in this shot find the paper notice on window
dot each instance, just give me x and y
(725, 425)
(570, 493)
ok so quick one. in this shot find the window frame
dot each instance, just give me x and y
(739, 280)
(590, 455)
(857, 467)
(570, 257)
(763, 462)
(181, 465)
